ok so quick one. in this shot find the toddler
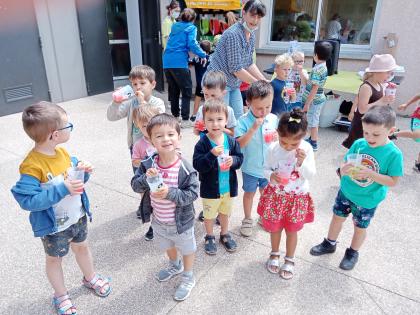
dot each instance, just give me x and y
(298, 76)
(284, 92)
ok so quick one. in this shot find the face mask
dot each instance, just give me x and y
(175, 14)
(251, 30)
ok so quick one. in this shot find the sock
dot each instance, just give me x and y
(352, 251)
(188, 274)
(331, 241)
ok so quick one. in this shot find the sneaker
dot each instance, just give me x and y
(350, 259)
(170, 272)
(184, 289)
(149, 234)
(210, 245)
(246, 227)
(186, 124)
(324, 248)
(201, 216)
(314, 145)
(228, 242)
(417, 166)
(192, 118)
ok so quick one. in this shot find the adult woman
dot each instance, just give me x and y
(175, 63)
(174, 11)
(233, 54)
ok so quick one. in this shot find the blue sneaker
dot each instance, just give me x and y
(314, 145)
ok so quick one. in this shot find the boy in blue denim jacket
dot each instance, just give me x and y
(58, 204)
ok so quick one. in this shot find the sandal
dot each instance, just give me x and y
(246, 228)
(63, 310)
(273, 262)
(93, 284)
(286, 270)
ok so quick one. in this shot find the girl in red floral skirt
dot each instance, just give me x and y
(286, 203)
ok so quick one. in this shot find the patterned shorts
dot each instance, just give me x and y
(361, 216)
(58, 244)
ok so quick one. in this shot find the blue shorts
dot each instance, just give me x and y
(361, 216)
(251, 183)
(313, 115)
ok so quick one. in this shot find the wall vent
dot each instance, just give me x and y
(17, 93)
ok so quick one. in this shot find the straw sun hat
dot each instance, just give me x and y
(382, 63)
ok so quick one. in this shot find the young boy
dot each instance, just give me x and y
(214, 87)
(172, 201)
(313, 97)
(284, 96)
(249, 134)
(57, 203)
(364, 186)
(217, 156)
(142, 80)
(298, 76)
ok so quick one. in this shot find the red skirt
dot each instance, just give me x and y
(281, 210)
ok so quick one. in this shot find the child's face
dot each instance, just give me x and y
(376, 135)
(212, 94)
(143, 85)
(290, 143)
(282, 71)
(165, 139)
(142, 125)
(298, 61)
(215, 123)
(62, 134)
(261, 107)
(383, 77)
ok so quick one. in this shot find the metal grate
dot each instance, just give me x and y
(17, 93)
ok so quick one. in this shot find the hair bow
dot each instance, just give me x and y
(296, 120)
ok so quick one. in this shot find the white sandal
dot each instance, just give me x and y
(273, 262)
(288, 266)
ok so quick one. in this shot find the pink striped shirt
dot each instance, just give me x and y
(164, 210)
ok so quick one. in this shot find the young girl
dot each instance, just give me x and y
(286, 203)
(371, 92)
(414, 133)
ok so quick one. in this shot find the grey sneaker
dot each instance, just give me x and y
(184, 289)
(186, 124)
(169, 272)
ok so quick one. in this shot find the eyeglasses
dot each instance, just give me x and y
(70, 126)
(299, 61)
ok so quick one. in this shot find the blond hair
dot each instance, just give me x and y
(297, 54)
(142, 72)
(41, 119)
(368, 75)
(144, 114)
(215, 106)
(284, 60)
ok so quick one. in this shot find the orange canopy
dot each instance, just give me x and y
(214, 4)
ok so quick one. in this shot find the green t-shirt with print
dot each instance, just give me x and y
(385, 160)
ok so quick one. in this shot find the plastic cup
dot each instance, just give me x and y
(284, 170)
(75, 173)
(269, 135)
(199, 125)
(155, 182)
(222, 160)
(356, 160)
(123, 94)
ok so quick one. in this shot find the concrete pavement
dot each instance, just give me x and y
(385, 281)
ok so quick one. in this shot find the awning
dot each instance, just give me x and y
(214, 4)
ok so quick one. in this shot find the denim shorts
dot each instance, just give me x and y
(58, 244)
(361, 216)
(167, 237)
(251, 183)
(313, 115)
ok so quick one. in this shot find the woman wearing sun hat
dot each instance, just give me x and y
(371, 92)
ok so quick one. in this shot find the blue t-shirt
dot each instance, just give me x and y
(279, 99)
(386, 160)
(224, 186)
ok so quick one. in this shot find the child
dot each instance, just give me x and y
(172, 201)
(143, 148)
(142, 80)
(200, 69)
(298, 76)
(214, 87)
(254, 130)
(364, 185)
(284, 94)
(414, 133)
(286, 202)
(313, 97)
(57, 203)
(217, 156)
(371, 93)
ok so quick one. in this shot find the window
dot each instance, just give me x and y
(351, 21)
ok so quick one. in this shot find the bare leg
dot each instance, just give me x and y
(55, 274)
(291, 242)
(247, 200)
(314, 133)
(172, 253)
(188, 262)
(359, 237)
(224, 224)
(208, 223)
(335, 227)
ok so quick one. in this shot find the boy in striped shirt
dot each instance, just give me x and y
(172, 202)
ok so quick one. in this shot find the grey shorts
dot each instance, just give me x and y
(167, 237)
(58, 244)
(313, 115)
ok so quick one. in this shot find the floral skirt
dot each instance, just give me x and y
(279, 210)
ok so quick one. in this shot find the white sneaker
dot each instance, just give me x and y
(186, 124)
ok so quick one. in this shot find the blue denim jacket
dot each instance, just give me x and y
(30, 196)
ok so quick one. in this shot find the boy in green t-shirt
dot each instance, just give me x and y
(376, 165)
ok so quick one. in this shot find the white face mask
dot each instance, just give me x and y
(175, 14)
(251, 30)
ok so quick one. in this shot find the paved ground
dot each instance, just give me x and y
(386, 280)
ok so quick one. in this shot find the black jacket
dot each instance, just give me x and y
(207, 166)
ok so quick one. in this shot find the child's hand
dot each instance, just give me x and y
(140, 97)
(403, 106)
(363, 173)
(75, 187)
(275, 137)
(161, 193)
(216, 151)
(387, 99)
(346, 168)
(300, 156)
(229, 161)
(152, 172)
(350, 116)
(275, 178)
(293, 95)
(258, 122)
(135, 162)
(86, 166)
(305, 108)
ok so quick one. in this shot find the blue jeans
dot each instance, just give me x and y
(233, 98)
